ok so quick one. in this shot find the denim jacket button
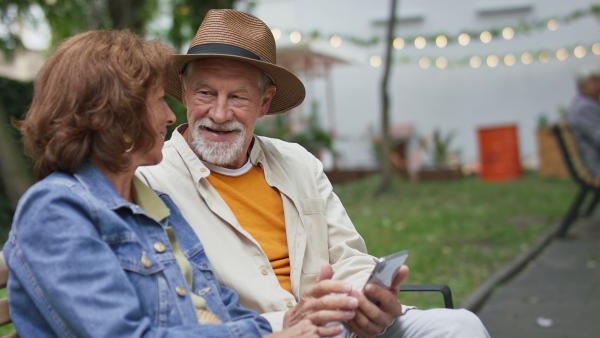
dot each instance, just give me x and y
(180, 291)
(204, 291)
(289, 303)
(146, 261)
(203, 170)
(159, 247)
(264, 271)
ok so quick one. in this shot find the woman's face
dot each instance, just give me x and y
(161, 117)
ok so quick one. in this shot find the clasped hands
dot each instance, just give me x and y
(324, 302)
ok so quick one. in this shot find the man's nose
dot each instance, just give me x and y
(221, 112)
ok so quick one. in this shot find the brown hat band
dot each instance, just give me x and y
(224, 49)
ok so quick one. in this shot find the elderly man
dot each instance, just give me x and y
(584, 118)
(264, 209)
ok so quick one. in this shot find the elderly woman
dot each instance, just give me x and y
(92, 251)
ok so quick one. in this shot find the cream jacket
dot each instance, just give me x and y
(318, 228)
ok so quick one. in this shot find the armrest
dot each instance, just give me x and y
(444, 289)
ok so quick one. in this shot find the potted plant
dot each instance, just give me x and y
(445, 161)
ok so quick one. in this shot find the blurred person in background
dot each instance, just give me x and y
(92, 251)
(264, 205)
(584, 118)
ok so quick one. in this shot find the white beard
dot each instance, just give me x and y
(218, 153)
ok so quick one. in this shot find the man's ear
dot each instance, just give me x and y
(266, 100)
(182, 89)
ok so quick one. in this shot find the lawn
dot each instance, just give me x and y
(457, 233)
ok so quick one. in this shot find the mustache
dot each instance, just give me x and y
(207, 122)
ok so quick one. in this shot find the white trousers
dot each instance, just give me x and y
(434, 323)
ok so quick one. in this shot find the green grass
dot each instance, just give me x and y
(458, 233)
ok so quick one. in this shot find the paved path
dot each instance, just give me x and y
(556, 295)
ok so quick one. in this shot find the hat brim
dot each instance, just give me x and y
(290, 90)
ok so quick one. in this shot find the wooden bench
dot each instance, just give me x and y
(4, 313)
(579, 172)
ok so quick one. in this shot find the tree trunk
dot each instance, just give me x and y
(386, 165)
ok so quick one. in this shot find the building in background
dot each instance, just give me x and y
(520, 74)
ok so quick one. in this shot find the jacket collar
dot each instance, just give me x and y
(98, 185)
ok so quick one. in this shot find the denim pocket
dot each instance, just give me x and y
(133, 256)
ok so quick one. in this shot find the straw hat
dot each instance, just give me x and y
(234, 35)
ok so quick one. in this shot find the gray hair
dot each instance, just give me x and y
(264, 81)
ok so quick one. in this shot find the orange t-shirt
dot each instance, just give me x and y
(259, 209)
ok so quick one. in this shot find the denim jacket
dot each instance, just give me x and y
(84, 262)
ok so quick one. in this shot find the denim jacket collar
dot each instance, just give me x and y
(99, 186)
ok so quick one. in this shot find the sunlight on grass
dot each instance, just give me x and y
(458, 233)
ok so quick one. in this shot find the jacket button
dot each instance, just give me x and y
(264, 271)
(159, 247)
(289, 303)
(203, 170)
(146, 261)
(180, 291)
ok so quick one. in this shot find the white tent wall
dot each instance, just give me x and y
(459, 99)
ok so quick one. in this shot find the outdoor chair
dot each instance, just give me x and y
(579, 172)
(4, 313)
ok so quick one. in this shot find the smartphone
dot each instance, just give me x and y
(385, 271)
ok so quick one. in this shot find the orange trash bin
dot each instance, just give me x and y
(499, 153)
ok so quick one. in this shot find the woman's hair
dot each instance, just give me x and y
(90, 98)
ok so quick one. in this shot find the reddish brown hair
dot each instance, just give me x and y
(89, 95)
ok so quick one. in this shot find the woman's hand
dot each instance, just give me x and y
(304, 328)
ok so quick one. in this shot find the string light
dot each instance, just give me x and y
(464, 39)
(375, 61)
(295, 37)
(544, 57)
(562, 54)
(424, 62)
(398, 43)
(335, 41)
(579, 52)
(596, 48)
(276, 33)
(510, 59)
(441, 41)
(492, 61)
(552, 24)
(485, 36)
(508, 33)
(475, 62)
(420, 42)
(441, 62)
(527, 58)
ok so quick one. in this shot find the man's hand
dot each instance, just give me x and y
(320, 305)
(370, 319)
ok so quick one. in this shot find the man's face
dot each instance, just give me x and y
(594, 86)
(223, 102)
